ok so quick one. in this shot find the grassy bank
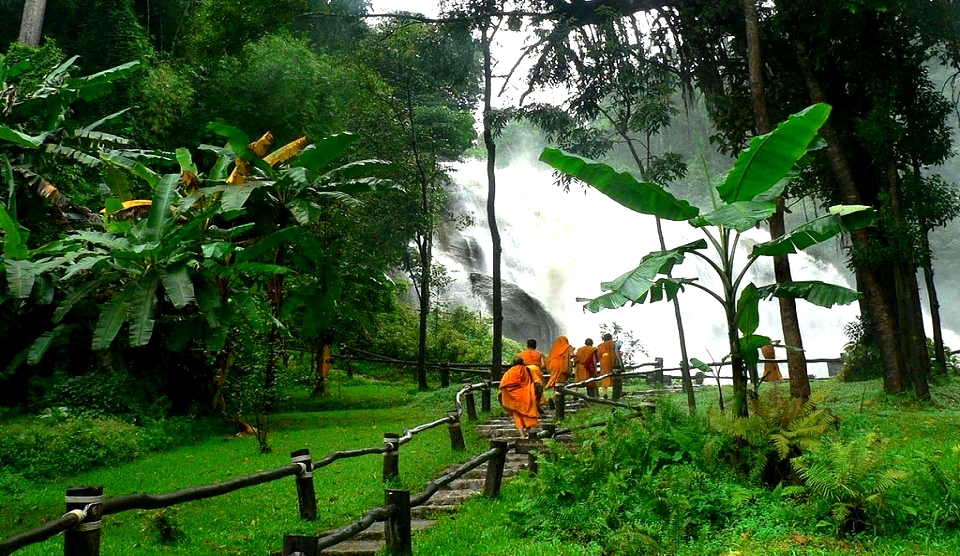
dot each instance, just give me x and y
(669, 487)
(253, 521)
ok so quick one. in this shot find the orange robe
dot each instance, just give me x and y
(586, 360)
(533, 358)
(518, 395)
(558, 362)
(607, 352)
(771, 370)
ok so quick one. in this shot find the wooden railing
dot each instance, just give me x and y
(86, 506)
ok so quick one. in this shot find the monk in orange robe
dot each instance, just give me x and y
(609, 358)
(586, 360)
(518, 395)
(535, 361)
(559, 361)
(771, 370)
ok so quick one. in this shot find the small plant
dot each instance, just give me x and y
(165, 524)
(852, 478)
(938, 486)
(779, 429)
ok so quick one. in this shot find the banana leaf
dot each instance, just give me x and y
(770, 157)
(178, 286)
(622, 187)
(813, 291)
(739, 216)
(317, 156)
(160, 212)
(840, 218)
(636, 285)
(748, 310)
(112, 317)
(143, 301)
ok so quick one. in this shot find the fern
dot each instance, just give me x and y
(779, 429)
(852, 478)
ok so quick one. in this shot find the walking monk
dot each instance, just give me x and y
(586, 360)
(518, 395)
(535, 361)
(609, 358)
(559, 361)
(771, 370)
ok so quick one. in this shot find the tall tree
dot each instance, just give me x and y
(434, 85)
(31, 24)
(789, 321)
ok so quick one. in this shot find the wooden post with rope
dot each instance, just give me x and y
(306, 494)
(471, 402)
(456, 433)
(391, 458)
(84, 539)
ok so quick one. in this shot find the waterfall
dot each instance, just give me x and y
(558, 246)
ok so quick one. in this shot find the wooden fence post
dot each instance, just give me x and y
(456, 433)
(485, 396)
(396, 529)
(560, 401)
(444, 374)
(617, 385)
(471, 402)
(491, 486)
(306, 495)
(294, 545)
(84, 539)
(391, 458)
(657, 375)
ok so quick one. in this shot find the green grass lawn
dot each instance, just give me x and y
(355, 415)
(357, 412)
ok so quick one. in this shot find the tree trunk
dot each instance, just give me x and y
(939, 351)
(881, 312)
(425, 259)
(913, 341)
(789, 322)
(491, 147)
(685, 360)
(31, 24)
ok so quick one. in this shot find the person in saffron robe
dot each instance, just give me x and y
(518, 395)
(586, 360)
(559, 361)
(535, 360)
(609, 358)
(771, 369)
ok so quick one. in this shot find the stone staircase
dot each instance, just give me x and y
(447, 500)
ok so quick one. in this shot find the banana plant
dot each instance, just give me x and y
(744, 199)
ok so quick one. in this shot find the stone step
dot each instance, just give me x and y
(452, 497)
(375, 531)
(430, 511)
(460, 484)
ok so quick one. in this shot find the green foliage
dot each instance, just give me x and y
(276, 83)
(852, 478)
(45, 449)
(455, 336)
(936, 489)
(745, 200)
(778, 429)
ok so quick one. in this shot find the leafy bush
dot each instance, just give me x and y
(861, 359)
(778, 429)
(49, 448)
(852, 478)
(637, 487)
(935, 489)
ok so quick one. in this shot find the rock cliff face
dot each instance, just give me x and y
(524, 317)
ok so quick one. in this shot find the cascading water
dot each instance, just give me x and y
(559, 246)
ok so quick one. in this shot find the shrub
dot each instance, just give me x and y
(852, 478)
